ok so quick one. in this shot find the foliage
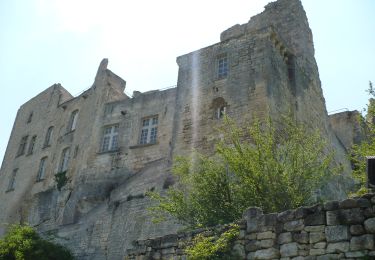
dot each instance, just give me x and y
(366, 147)
(61, 180)
(23, 243)
(209, 247)
(275, 169)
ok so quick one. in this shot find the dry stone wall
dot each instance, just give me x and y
(334, 230)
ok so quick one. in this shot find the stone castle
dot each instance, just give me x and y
(108, 149)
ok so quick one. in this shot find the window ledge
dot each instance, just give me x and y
(221, 78)
(9, 190)
(40, 180)
(109, 151)
(142, 145)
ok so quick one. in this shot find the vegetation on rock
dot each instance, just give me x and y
(213, 247)
(23, 243)
(365, 148)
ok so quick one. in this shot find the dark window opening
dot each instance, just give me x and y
(222, 69)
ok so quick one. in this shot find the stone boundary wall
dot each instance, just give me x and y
(333, 230)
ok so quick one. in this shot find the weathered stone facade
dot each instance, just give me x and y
(114, 148)
(336, 230)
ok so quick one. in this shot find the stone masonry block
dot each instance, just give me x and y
(289, 250)
(294, 225)
(317, 237)
(337, 233)
(362, 242)
(370, 225)
(340, 247)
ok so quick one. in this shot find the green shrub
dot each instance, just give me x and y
(23, 243)
(209, 247)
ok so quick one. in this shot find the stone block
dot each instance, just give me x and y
(355, 254)
(301, 237)
(286, 216)
(294, 225)
(333, 217)
(328, 257)
(254, 219)
(370, 225)
(253, 245)
(289, 250)
(266, 235)
(369, 212)
(320, 245)
(337, 233)
(285, 238)
(351, 216)
(340, 247)
(331, 205)
(270, 253)
(362, 242)
(348, 204)
(317, 237)
(318, 217)
(314, 251)
(356, 230)
(239, 250)
(267, 243)
(363, 203)
(314, 228)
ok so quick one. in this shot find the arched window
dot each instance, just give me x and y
(219, 107)
(73, 121)
(48, 139)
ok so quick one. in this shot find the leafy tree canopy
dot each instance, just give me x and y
(23, 243)
(272, 168)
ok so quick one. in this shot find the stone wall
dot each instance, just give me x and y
(333, 230)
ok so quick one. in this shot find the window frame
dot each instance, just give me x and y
(42, 169)
(222, 66)
(112, 137)
(73, 119)
(64, 160)
(31, 147)
(22, 145)
(149, 131)
(12, 181)
(48, 137)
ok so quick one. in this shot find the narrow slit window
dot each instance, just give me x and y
(42, 169)
(12, 180)
(64, 162)
(32, 145)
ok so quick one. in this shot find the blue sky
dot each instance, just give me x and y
(43, 42)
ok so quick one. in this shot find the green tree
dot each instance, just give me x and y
(23, 243)
(366, 147)
(275, 168)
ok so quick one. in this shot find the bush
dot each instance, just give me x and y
(272, 168)
(23, 243)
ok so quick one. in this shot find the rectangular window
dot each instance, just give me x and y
(22, 147)
(31, 145)
(12, 180)
(65, 156)
(149, 130)
(110, 139)
(42, 169)
(222, 69)
(73, 121)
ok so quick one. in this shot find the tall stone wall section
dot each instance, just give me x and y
(334, 230)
